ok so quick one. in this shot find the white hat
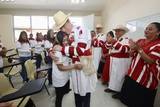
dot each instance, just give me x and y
(99, 26)
(121, 27)
(60, 19)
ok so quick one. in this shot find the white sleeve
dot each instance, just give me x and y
(47, 44)
(59, 56)
(18, 45)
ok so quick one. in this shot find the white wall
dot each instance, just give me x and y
(6, 31)
(121, 11)
(6, 21)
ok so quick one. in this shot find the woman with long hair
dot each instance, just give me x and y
(24, 51)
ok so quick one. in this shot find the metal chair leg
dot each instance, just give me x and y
(46, 89)
(10, 81)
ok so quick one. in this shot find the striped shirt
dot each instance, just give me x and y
(119, 48)
(142, 72)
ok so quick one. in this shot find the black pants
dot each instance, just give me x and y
(60, 92)
(50, 76)
(135, 95)
(38, 60)
(82, 101)
(1, 70)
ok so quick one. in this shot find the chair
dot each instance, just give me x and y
(6, 88)
(11, 71)
(32, 74)
(12, 53)
(43, 57)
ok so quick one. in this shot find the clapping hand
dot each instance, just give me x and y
(133, 45)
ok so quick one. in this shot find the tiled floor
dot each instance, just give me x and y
(99, 97)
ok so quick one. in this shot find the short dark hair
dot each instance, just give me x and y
(111, 33)
(59, 37)
(157, 24)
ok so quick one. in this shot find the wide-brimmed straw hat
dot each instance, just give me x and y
(121, 27)
(60, 19)
(99, 26)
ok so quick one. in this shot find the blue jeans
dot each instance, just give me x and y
(24, 72)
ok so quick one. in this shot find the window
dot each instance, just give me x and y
(51, 23)
(34, 24)
(39, 22)
(22, 22)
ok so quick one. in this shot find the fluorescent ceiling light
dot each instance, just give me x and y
(7, 0)
(78, 1)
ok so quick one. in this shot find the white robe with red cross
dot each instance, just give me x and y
(119, 63)
(82, 83)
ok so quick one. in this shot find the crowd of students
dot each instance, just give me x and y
(129, 69)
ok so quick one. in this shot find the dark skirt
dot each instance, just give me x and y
(135, 95)
(100, 67)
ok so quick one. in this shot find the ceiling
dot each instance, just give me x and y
(89, 5)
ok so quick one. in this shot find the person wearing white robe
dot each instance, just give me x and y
(83, 84)
(119, 59)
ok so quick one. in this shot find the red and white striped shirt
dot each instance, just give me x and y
(99, 43)
(120, 48)
(142, 72)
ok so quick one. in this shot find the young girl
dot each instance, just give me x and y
(60, 74)
(39, 48)
(24, 51)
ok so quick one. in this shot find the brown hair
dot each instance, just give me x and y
(21, 39)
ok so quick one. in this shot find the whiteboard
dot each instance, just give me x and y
(137, 26)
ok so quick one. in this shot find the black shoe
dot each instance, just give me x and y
(109, 91)
(49, 84)
(98, 76)
(116, 96)
(24, 81)
(68, 91)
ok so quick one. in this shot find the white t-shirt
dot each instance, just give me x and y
(24, 49)
(60, 78)
(39, 47)
(32, 43)
(47, 44)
